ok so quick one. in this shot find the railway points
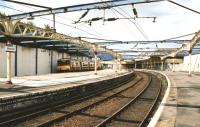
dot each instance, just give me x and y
(99, 63)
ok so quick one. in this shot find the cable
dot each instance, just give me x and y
(143, 34)
(125, 25)
(137, 25)
(185, 35)
(100, 39)
(184, 7)
(82, 16)
(127, 42)
(72, 21)
(122, 22)
(87, 27)
(23, 3)
(11, 8)
(61, 22)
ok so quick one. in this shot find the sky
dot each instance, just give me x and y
(171, 20)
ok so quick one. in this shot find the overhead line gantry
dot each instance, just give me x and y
(88, 6)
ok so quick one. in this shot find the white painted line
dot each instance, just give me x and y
(159, 111)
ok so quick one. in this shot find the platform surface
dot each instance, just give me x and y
(33, 84)
(182, 108)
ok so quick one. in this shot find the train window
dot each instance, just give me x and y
(84, 64)
(67, 62)
(63, 62)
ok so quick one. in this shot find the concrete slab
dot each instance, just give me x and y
(55, 79)
(34, 84)
(182, 108)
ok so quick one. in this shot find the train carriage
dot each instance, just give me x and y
(67, 64)
(64, 65)
(91, 65)
(85, 66)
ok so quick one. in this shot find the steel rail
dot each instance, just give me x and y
(107, 120)
(59, 119)
(142, 124)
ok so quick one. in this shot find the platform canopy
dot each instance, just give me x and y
(147, 49)
(13, 29)
(19, 33)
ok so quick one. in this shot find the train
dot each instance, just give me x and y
(70, 65)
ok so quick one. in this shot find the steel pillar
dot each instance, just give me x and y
(162, 65)
(190, 64)
(95, 63)
(119, 64)
(135, 65)
(9, 66)
(151, 64)
(36, 61)
(173, 69)
(51, 52)
(16, 61)
(54, 22)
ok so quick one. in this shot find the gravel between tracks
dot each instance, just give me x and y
(105, 109)
(137, 111)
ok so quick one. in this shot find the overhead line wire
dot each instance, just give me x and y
(184, 7)
(185, 35)
(117, 16)
(73, 21)
(134, 22)
(124, 24)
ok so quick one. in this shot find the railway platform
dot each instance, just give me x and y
(41, 83)
(183, 104)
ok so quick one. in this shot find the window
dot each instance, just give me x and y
(63, 62)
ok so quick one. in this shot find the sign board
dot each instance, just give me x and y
(10, 48)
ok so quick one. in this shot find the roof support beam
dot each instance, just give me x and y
(189, 46)
(143, 42)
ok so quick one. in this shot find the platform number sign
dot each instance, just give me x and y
(10, 48)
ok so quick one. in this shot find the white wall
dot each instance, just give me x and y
(26, 61)
(44, 61)
(195, 63)
(3, 62)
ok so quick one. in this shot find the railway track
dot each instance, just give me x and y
(116, 106)
(68, 111)
(14, 117)
(91, 112)
(137, 111)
